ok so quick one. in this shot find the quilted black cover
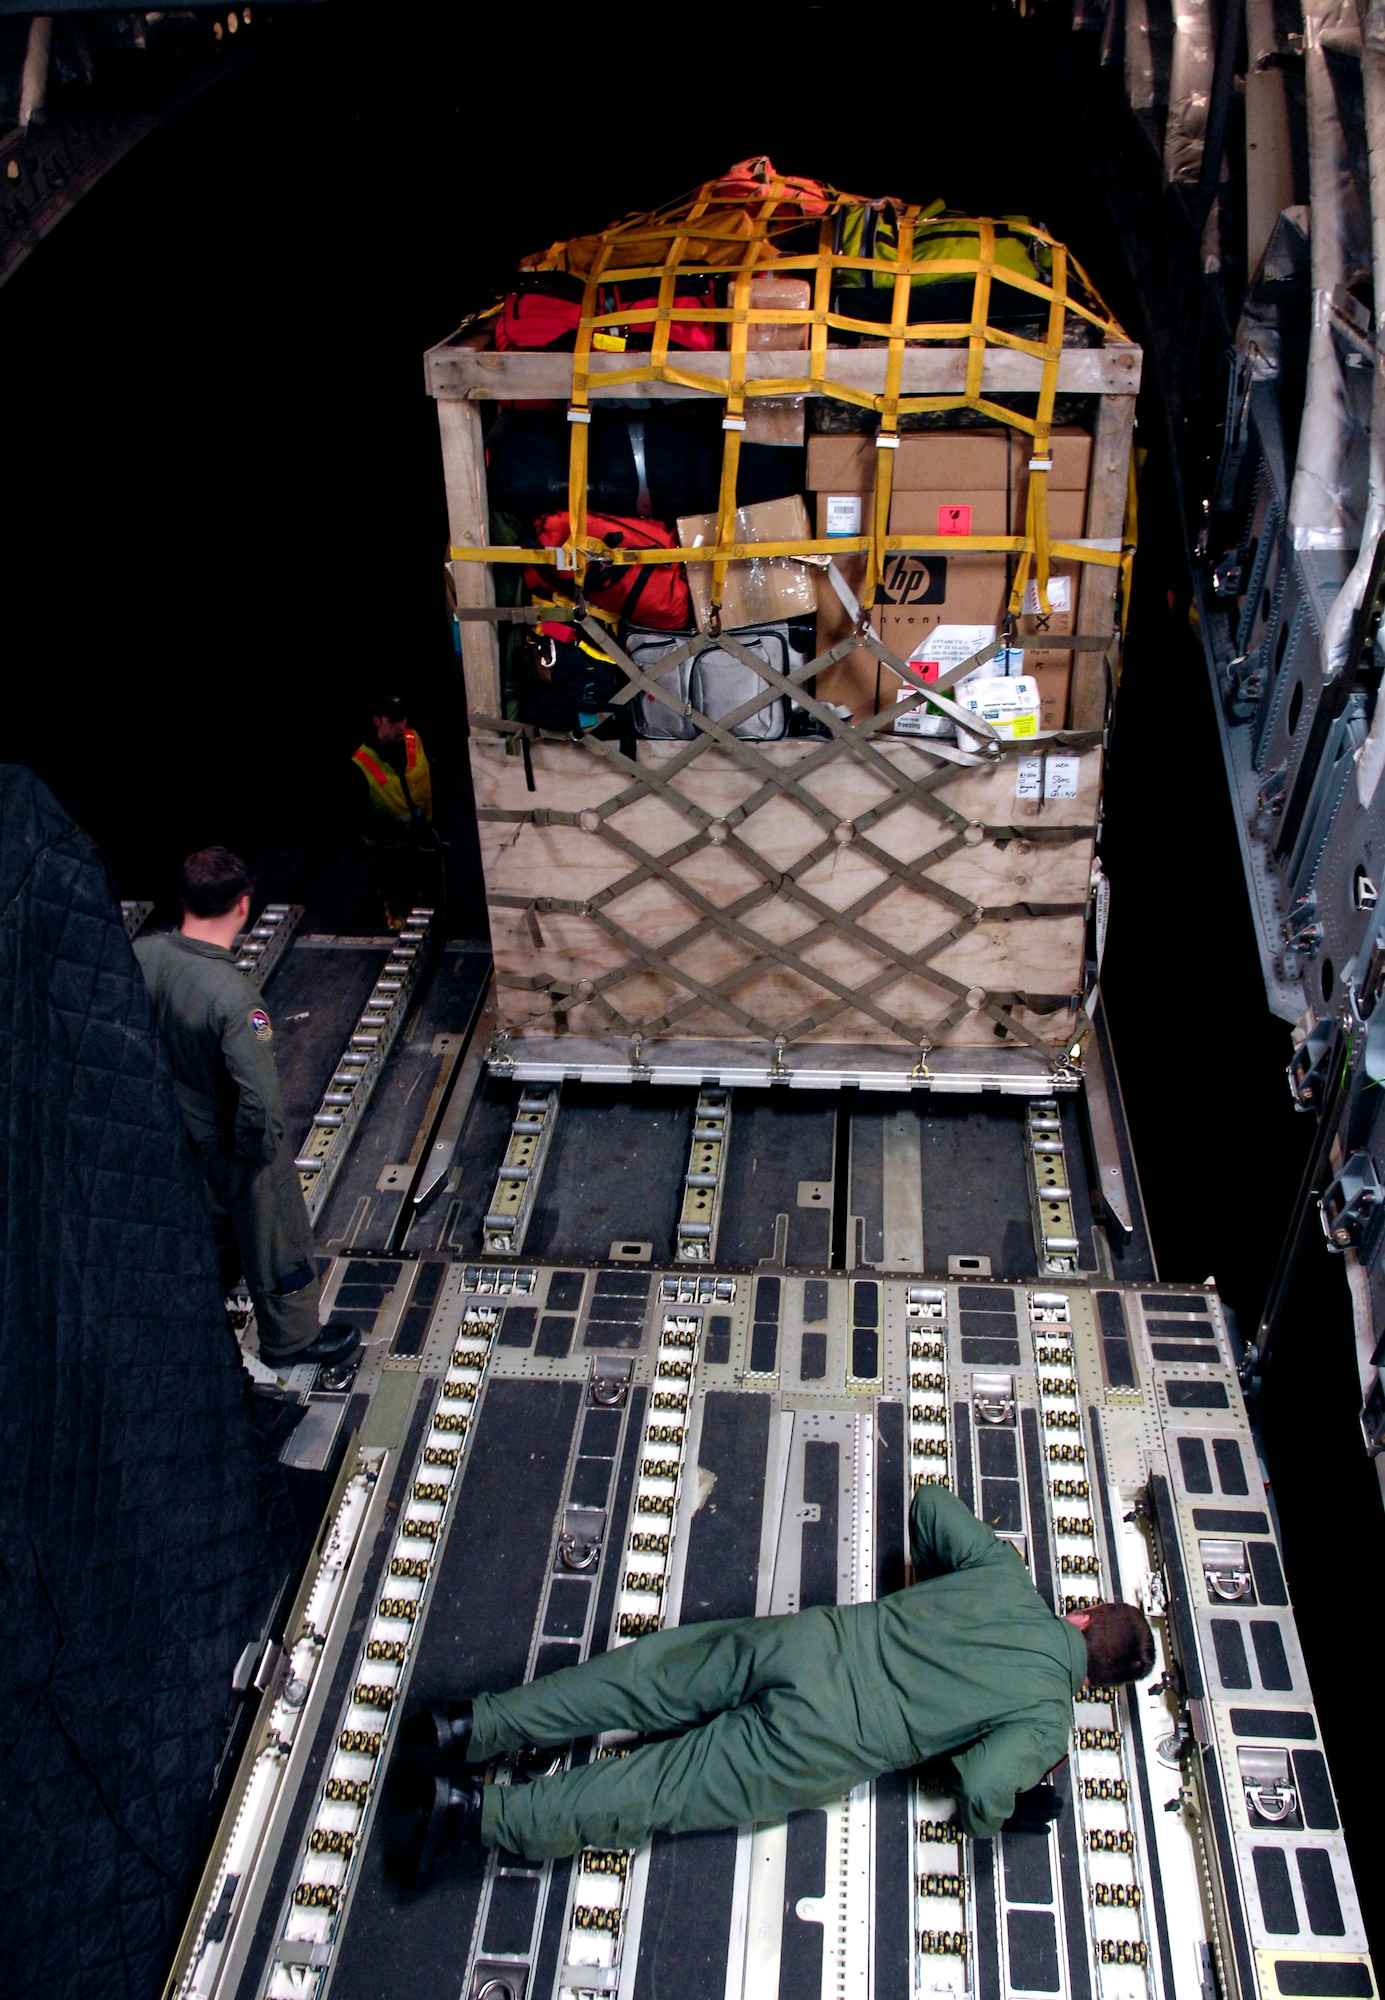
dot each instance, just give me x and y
(135, 1535)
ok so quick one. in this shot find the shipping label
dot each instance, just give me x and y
(946, 646)
(843, 514)
(1059, 595)
(1046, 777)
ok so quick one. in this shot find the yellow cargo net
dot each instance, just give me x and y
(707, 234)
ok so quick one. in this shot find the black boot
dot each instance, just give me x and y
(433, 1818)
(440, 1729)
(336, 1342)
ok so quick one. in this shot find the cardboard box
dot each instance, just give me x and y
(925, 461)
(937, 476)
(916, 514)
(757, 591)
(1053, 672)
(922, 592)
(978, 511)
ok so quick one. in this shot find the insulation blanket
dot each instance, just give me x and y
(136, 1519)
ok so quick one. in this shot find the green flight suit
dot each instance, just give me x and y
(220, 1040)
(783, 1713)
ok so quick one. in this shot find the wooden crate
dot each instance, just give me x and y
(869, 895)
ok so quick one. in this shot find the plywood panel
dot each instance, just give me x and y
(805, 933)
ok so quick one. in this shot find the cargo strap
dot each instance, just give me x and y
(696, 224)
(918, 787)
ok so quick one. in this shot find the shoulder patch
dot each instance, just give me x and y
(259, 1023)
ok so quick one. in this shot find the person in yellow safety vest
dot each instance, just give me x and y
(397, 820)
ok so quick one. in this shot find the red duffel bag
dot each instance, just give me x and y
(697, 294)
(541, 311)
(650, 594)
(750, 181)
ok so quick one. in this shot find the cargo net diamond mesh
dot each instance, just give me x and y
(860, 887)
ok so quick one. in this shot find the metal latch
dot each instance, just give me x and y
(255, 1668)
(678, 1289)
(584, 1979)
(218, 1922)
(1225, 1567)
(1270, 798)
(497, 1982)
(1270, 1794)
(1226, 575)
(1350, 1206)
(993, 1397)
(579, 1545)
(303, 1951)
(926, 1302)
(1301, 930)
(1308, 1070)
(610, 1383)
(1049, 1308)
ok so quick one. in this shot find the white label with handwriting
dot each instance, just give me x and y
(1047, 777)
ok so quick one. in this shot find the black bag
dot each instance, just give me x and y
(652, 465)
(563, 682)
(649, 464)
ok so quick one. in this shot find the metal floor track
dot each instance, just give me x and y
(545, 1455)
(713, 1436)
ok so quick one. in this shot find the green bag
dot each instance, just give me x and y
(871, 229)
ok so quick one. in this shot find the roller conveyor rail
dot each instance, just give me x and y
(1199, 1827)
(362, 1062)
(517, 1183)
(556, 1452)
(259, 950)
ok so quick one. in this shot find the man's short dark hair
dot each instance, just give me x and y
(1120, 1645)
(214, 880)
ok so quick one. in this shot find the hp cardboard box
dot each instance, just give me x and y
(945, 482)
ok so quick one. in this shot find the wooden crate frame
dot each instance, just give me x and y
(720, 907)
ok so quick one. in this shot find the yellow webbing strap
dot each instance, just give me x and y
(734, 418)
(736, 243)
(668, 282)
(563, 612)
(822, 301)
(579, 414)
(839, 545)
(887, 437)
(980, 306)
(1036, 505)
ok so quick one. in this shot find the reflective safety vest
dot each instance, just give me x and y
(400, 797)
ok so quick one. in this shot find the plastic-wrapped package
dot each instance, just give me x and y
(760, 589)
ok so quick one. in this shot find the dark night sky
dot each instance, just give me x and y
(224, 526)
